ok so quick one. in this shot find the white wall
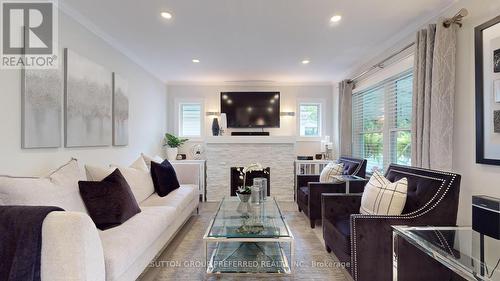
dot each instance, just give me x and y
(147, 96)
(476, 178)
(290, 95)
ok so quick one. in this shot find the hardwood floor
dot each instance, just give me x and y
(187, 246)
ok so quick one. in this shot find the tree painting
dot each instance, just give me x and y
(41, 108)
(88, 102)
(120, 111)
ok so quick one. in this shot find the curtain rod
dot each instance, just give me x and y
(456, 19)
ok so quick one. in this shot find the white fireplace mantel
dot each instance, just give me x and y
(251, 139)
(277, 153)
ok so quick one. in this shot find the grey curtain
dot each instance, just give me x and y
(433, 97)
(345, 118)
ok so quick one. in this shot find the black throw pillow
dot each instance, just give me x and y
(110, 202)
(164, 178)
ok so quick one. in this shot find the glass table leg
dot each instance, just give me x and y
(394, 256)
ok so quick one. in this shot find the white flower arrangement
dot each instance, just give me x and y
(243, 174)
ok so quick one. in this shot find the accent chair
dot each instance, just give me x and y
(365, 241)
(309, 189)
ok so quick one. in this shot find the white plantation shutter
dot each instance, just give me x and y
(190, 120)
(381, 121)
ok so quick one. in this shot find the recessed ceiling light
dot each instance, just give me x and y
(306, 61)
(166, 15)
(336, 18)
(195, 60)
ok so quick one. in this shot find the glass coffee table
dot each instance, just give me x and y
(248, 238)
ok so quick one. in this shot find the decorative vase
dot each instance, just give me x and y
(215, 127)
(223, 124)
(172, 153)
(243, 197)
(256, 197)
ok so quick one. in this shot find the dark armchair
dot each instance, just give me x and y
(309, 189)
(365, 241)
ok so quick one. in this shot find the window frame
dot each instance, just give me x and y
(179, 103)
(320, 103)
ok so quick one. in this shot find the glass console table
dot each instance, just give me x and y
(248, 238)
(348, 179)
(464, 251)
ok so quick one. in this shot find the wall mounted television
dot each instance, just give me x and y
(251, 109)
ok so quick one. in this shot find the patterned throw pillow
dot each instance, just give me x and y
(330, 172)
(382, 197)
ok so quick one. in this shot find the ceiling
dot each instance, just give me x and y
(243, 40)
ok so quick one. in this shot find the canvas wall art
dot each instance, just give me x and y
(496, 87)
(120, 110)
(496, 61)
(41, 92)
(88, 102)
(496, 121)
(487, 54)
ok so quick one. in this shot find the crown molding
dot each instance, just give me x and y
(90, 26)
(249, 83)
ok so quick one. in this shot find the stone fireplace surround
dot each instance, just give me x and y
(277, 153)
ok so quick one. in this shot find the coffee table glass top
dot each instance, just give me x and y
(235, 219)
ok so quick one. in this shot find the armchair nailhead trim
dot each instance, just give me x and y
(443, 242)
(408, 216)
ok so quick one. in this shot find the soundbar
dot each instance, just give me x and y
(249, 133)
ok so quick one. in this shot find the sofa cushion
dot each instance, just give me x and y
(137, 176)
(124, 244)
(110, 202)
(164, 178)
(59, 188)
(149, 159)
(178, 199)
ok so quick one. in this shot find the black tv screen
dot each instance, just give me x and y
(251, 109)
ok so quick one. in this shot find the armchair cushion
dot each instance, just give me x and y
(330, 171)
(382, 197)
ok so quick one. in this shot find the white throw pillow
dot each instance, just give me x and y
(330, 172)
(382, 197)
(59, 188)
(148, 159)
(137, 176)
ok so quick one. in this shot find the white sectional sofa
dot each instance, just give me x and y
(74, 249)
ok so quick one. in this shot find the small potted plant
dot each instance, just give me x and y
(244, 193)
(173, 143)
